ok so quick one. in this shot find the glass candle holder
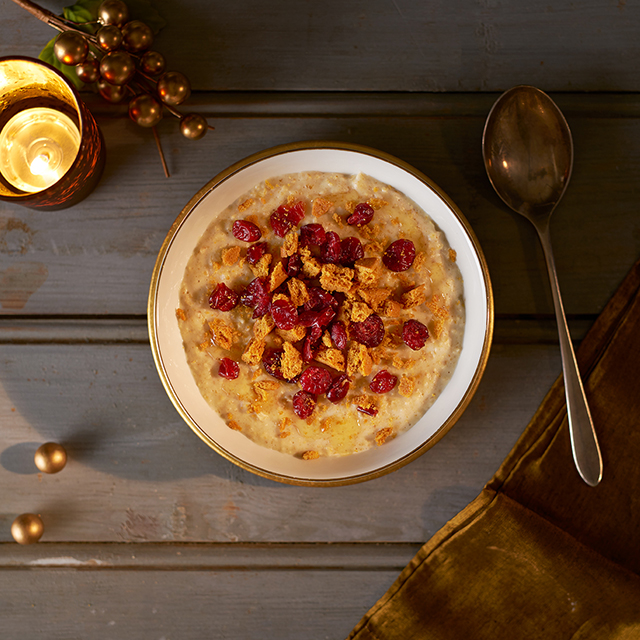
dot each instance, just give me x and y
(51, 150)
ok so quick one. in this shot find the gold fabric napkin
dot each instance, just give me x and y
(539, 554)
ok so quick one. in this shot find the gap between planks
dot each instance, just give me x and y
(289, 104)
(208, 557)
(133, 330)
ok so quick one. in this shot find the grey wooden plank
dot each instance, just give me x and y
(138, 474)
(97, 257)
(110, 605)
(208, 557)
(381, 45)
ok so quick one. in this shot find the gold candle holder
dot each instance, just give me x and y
(51, 150)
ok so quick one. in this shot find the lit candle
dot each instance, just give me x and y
(37, 147)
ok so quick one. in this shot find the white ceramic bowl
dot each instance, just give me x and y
(166, 341)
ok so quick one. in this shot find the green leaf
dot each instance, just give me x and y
(83, 11)
(47, 55)
(145, 11)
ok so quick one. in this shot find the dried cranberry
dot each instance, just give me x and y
(223, 298)
(284, 314)
(228, 369)
(303, 404)
(256, 251)
(338, 389)
(414, 334)
(246, 231)
(320, 299)
(331, 250)
(293, 265)
(257, 296)
(284, 218)
(310, 347)
(338, 334)
(399, 255)
(271, 359)
(312, 234)
(369, 332)
(362, 214)
(383, 382)
(370, 411)
(350, 251)
(326, 316)
(315, 380)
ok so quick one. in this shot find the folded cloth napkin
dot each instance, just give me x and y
(539, 554)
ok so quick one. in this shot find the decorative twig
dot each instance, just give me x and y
(162, 159)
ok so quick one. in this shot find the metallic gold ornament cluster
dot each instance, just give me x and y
(119, 60)
(28, 528)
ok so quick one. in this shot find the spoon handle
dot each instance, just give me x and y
(584, 444)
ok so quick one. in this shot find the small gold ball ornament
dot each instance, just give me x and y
(50, 457)
(193, 126)
(137, 36)
(70, 48)
(145, 110)
(173, 88)
(117, 67)
(153, 63)
(27, 528)
(111, 92)
(113, 12)
(109, 37)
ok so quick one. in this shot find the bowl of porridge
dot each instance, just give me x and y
(320, 313)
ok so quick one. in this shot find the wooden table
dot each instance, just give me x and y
(149, 533)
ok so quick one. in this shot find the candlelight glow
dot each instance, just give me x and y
(37, 147)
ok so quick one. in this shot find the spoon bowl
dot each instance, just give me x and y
(528, 154)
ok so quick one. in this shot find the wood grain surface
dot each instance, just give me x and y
(150, 534)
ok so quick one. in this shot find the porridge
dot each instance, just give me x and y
(322, 314)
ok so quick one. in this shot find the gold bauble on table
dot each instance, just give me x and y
(152, 63)
(50, 457)
(27, 528)
(193, 126)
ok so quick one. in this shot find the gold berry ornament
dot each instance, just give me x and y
(136, 36)
(27, 528)
(113, 12)
(50, 457)
(109, 37)
(117, 67)
(173, 88)
(70, 48)
(111, 92)
(145, 110)
(152, 63)
(193, 126)
(88, 71)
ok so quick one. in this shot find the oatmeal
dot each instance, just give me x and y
(322, 314)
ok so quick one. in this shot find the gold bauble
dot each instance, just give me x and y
(152, 63)
(109, 37)
(193, 126)
(50, 457)
(111, 92)
(117, 67)
(137, 36)
(173, 88)
(70, 48)
(88, 71)
(27, 528)
(145, 110)
(113, 12)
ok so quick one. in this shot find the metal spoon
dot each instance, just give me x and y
(528, 153)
